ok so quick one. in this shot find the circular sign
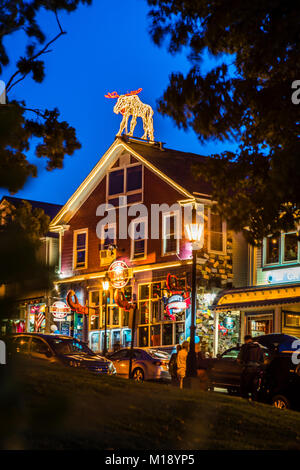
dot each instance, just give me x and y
(118, 274)
(60, 310)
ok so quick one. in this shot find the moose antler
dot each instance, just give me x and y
(114, 94)
(135, 92)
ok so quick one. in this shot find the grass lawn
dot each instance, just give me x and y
(51, 407)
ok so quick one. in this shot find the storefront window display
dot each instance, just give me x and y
(228, 330)
(36, 318)
(156, 327)
(291, 319)
(117, 319)
(205, 321)
(126, 340)
(95, 341)
(78, 326)
(260, 324)
(228, 324)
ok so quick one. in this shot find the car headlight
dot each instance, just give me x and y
(111, 368)
(297, 370)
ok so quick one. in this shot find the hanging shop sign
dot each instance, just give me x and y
(74, 304)
(178, 300)
(119, 274)
(60, 310)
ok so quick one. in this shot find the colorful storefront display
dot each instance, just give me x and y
(36, 321)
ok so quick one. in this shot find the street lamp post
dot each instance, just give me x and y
(194, 231)
(105, 287)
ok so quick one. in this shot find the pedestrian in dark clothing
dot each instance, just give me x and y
(251, 356)
(173, 366)
(201, 367)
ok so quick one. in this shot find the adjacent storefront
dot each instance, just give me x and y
(263, 309)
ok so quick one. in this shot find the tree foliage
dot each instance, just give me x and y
(22, 268)
(245, 97)
(19, 124)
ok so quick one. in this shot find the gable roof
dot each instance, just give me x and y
(50, 209)
(173, 166)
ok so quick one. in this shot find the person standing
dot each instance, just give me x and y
(251, 356)
(173, 366)
(181, 362)
(201, 367)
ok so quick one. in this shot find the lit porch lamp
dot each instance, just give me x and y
(194, 232)
(105, 287)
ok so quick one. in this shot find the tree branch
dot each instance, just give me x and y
(11, 83)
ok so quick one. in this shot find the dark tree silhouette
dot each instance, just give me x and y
(245, 97)
(19, 124)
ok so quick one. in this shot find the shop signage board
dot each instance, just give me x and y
(119, 274)
(282, 275)
(60, 310)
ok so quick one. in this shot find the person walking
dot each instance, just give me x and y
(181, 362)
(173, 366)
(252, 357)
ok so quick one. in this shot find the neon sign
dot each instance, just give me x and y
(119, 274)
(59, 310)
(179, 299)
(74, 304)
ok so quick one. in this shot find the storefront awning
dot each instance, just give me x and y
(254, 297)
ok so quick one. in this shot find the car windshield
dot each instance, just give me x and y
(70, 346)
(158, 354)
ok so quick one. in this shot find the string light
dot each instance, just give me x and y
(130, 105)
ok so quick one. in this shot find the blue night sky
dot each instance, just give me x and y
(107, 48)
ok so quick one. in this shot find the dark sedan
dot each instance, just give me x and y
(279, 383)
(56, 348)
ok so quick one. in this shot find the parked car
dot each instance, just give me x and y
(279, 385)
(150, 364)
(57, 348)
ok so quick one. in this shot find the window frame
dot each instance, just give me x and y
(160, 323)
(109, 226)
(177, 229)
(75, 234)
(281, 261)
(224, 234)
(132, 240)
(125, 193)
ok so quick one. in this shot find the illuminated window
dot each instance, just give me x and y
(272, 250)
(80, 249)
(290, 251)
(283, 249)
(292, 319)
(155, 327)
(217, 233)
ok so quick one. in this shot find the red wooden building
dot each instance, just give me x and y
(148, 174)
